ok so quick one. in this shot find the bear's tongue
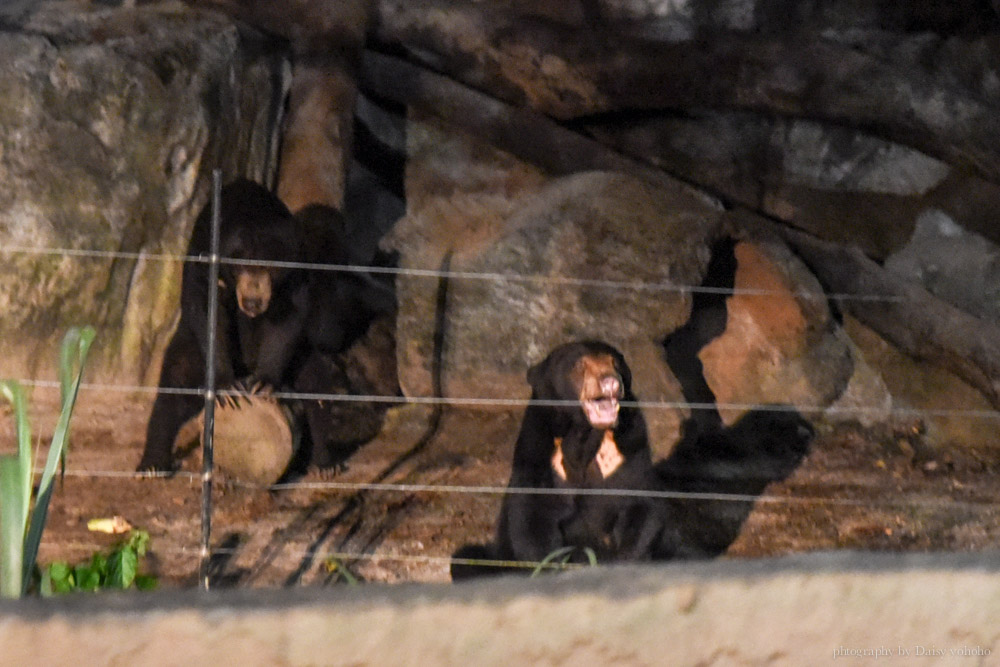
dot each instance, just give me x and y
(601, 412)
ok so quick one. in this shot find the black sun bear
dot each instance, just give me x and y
(583, 431)
(580, 431)
(262, 311)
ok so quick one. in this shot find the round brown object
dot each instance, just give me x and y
(253, 438)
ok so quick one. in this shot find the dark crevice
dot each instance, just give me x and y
(707, 322)
(765, 445)
(375, 193)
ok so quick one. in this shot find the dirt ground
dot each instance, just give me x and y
(854, 490)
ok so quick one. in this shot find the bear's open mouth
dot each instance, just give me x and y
(600, 388)
(601, 411)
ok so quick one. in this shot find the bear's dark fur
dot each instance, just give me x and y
(726, 469)
(577, 434)
(351, 344)
(343, 302)
(334, 429)
(261, 316)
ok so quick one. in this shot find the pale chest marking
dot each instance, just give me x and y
(608, 458)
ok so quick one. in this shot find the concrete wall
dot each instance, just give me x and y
(805, 610)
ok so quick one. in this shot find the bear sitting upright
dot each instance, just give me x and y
(580, 431)
(262, 310)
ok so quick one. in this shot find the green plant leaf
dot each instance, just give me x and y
(60, 571)
(122, 567)
(115, 570)
(86, 578)
(60, 576)
(80, 339)
(337, 570)
(15, 497)
(146, 582)
(14, 393)
(11, 527)
(138, 540)
(45, 584)
(66, 382)
(99, 564)
(560, 555)
(19, 537)
(559, 558)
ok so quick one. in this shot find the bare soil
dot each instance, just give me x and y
(855, 490)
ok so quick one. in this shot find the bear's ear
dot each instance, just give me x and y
(534, 374)
(538, 373)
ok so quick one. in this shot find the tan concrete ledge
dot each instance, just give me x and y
(839, 608)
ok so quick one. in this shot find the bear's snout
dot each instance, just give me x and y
(600, 391)
(611, 386)
(253, 292)
(252, 306)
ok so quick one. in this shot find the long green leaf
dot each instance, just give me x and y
(11, 528)
(71, 339)
(15, 495)
(560, 555)
(81, 341)
(14, 393)
(65, 384)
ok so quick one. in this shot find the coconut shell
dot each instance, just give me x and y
(253, 438)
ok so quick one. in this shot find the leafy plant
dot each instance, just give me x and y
(117, 570)
(336, 570)
(21, 521)
(559, 559)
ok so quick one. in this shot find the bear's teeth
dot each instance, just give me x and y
(602, 412)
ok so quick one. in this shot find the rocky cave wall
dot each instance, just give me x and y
(112, 122)
(604, 148)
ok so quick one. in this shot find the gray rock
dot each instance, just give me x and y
(805, 173)
(662, 18)
(574, 260)
(956, 265)
(111, 120)
(843, 159)
(941, 406)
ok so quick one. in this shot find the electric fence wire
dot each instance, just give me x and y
(490, 402)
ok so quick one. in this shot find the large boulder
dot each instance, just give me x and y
(459, 192)
(781, 343)
(593, 255)
(928, 399)
(111, 120)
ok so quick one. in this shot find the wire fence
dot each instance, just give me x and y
(520, 403)
(439, 274)
(205, 551)
(321, 555)
(460, 489)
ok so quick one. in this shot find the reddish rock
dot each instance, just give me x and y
(781, 344)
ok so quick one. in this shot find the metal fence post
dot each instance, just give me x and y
(209, 426)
